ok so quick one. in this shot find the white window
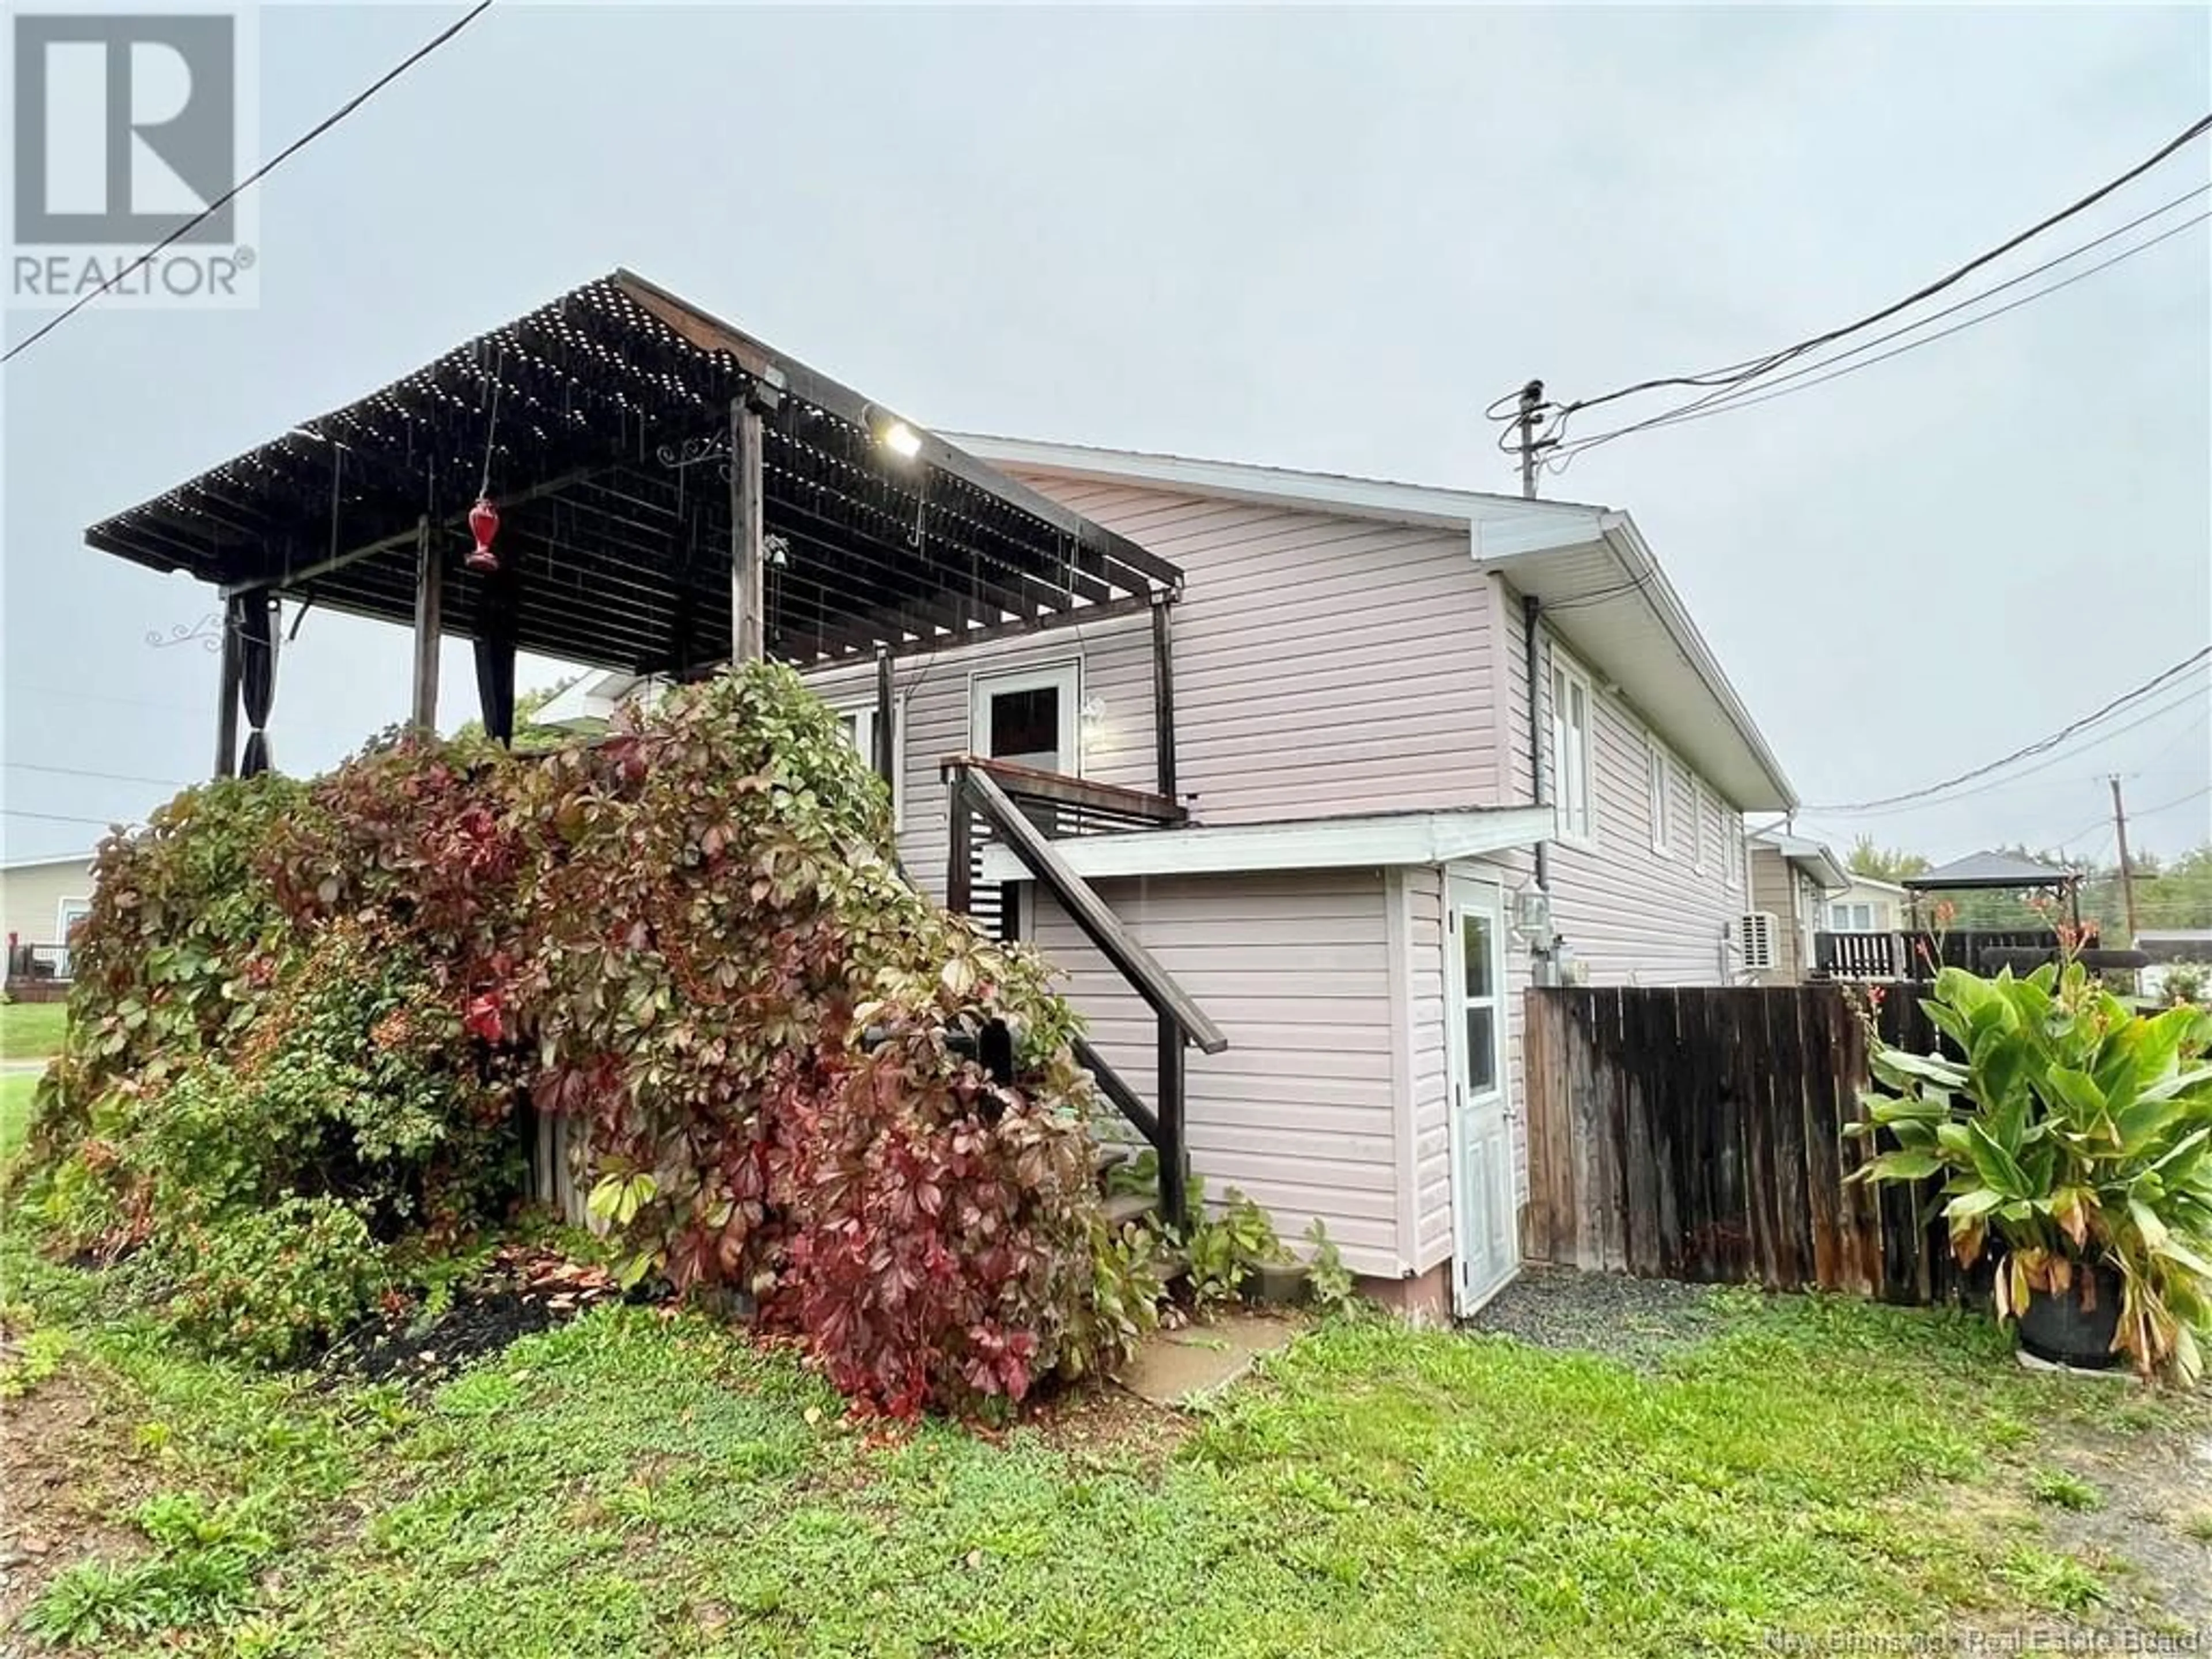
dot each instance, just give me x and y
(1572, 722)
(1732, 846)
(1028, 718)
(67, 915)
(1698, 823)
(1660, 771)
(858, 722)
(1850, 918)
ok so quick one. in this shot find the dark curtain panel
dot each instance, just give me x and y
(495, 652)
(254, 617)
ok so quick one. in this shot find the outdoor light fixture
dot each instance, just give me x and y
(483, 524)
(892, 433)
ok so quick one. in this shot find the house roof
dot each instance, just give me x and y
(1990, 870)
(78, 861)
(1812, 857)
(1873, 882)
(1375, 838)
(1617, 611)
(600, 424)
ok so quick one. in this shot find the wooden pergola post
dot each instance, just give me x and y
(748, 562)
(226, 708)
(886, 755)
(429, 622)
(1164, 729)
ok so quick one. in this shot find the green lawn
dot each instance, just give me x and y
(635, 1485)
(32, 1030)
(14, 1111)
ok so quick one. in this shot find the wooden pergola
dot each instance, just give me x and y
(670, 494)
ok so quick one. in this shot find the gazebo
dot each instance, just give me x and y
(1996, 873)
(622, 480)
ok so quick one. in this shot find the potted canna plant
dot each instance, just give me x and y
(2073, 1140)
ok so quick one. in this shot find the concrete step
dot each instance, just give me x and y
(1122, 1208)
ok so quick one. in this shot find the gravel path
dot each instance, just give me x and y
(1639, 1322)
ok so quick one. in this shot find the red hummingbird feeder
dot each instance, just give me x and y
(483, 524)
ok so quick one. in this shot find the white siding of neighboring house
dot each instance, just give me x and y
(1779, 887)
(1887, 908)
(1302, 1111)
(1322, 664)
(32, 895)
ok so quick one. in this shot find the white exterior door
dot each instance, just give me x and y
(1486, 1241)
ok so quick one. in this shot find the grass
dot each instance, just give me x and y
(632, 1486)
(16, 1091)
(2064, 1489)
(32, 1030)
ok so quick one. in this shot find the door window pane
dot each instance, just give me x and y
(1481, 1049)
(1025, 728)
(1475, 946)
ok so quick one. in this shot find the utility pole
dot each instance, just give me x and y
(1532, 400)
(2127, 874)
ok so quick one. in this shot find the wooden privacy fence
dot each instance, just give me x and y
(1697, 1134)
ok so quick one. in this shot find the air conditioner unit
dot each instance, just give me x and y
(1755, 931)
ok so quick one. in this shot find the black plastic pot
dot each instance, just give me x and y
(2076, 1327)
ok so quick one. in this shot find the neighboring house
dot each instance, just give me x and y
(2172, 947)
(1356, 902)
(41, 900)
(1867, 906)
(1793, 880)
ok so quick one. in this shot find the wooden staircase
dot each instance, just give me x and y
(1020, 808)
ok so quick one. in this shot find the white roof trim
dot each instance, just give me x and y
(1812, 857)
(1379, 839)
(82, 861)
(1507, 533)
(1375, 498)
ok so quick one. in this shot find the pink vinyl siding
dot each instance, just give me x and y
(1117, 747)
(1322, 664)
(1430, 1106)
(1299, 1112)
(1629, 914)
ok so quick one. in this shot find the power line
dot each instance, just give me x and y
(1756, 365)
(2041, 745)
(58, 818)
(1729, 401)
(2194, 695)
(109, 777)
(251, 179)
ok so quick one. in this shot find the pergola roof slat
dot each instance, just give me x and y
(595, 410)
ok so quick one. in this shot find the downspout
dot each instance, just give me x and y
(1543, 967)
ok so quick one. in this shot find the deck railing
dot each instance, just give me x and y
(1059, 806)
(39, 962)
(1023, 809)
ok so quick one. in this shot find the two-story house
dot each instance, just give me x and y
(1367, 757)
(1383, 848)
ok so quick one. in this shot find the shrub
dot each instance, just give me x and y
(2077, 1133)
(678, 936)
(271, 1285)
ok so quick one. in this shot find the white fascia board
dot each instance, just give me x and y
(1322, 492)
(1397, 838)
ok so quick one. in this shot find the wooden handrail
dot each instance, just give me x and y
(1056, 789)
(979, 788)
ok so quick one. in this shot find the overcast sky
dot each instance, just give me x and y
(1311, 239)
